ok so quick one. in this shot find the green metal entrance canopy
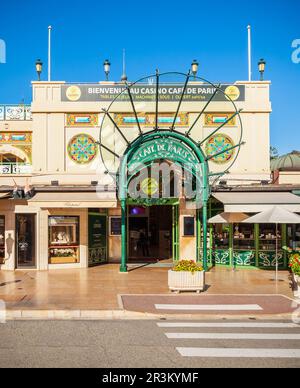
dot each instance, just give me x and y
(125, 153)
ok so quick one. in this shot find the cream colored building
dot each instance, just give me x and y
(50, 147)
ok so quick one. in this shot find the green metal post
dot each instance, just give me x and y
(256, 236)
(231, 248)
(173, 234)
(177, 233)
(198, 222)
(211, 240)
(205, 266)
(123, 267)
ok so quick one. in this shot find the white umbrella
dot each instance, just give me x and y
(276, 215)
(228, 218)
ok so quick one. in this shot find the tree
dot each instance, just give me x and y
(274, 153)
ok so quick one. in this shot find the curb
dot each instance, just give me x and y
(99, 315)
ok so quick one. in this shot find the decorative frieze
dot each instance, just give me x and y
(82, 120)
(217, 119)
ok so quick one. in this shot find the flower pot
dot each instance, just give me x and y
(186, 281)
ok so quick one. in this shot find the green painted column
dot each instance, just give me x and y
(173, 233)
(231, 249)
(205, 266)
(211, 241)
(177, 233)
(198, 223)
(123, 267)
(256, 236)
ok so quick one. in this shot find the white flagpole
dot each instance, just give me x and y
(249, 54)
(49, 53)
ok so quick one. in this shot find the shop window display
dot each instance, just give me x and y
(221, 237)
(293, 236)
(243, 237)
(64, 240)
(267, 237)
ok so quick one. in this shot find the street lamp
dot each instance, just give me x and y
(195, 68)
(262, 67)
(39, 68)
(106, 68)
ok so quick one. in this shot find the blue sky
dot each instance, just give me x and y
(165, 34)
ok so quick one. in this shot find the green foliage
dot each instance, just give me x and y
(274, 153)
(187, 266)
(295, 263)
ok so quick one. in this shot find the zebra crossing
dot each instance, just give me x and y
(225, 340)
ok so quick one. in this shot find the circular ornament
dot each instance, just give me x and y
(82, 149)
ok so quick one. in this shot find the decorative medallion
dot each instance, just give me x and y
(73, 93)
(232, 92)
(82, 149)
(150, 186)
(219, 143)
(82, 120)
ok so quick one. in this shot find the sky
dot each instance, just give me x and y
(165, 34)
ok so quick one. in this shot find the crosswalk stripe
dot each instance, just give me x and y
(234, 336)
(239, 353)
(233, 325)
(209, 307)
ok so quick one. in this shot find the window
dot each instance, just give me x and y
(2, 239)
(64, 244)
(15, 153)
(267, 237)
(221, 234)
(115, 226)
(189, 226)
(293, 234)
(243, 237)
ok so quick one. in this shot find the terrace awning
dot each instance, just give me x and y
(257, 202)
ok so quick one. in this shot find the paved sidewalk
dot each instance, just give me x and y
(99, 288)
(218, 305)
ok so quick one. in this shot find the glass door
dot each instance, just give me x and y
(97, 239)
(25, 240)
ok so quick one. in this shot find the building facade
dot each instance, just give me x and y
(59, 207)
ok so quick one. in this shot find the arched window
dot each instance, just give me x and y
(11, 158)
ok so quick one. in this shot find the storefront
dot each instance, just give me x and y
(55, 230)
(235, 243)
(85, 210)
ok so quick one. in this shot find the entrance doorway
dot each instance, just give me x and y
(150, 233)
(25, 240)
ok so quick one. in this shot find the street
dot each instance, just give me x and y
(150, 344)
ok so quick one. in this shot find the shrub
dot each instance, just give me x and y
(188, 266)
(295, 263)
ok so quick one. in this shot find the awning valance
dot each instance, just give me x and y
(257, 202)
(74, 200)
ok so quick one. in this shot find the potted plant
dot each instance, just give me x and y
(295, 266)
(186, 275)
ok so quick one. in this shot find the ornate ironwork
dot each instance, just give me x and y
(15, 113)
(124, 152)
